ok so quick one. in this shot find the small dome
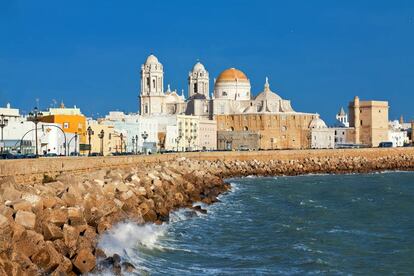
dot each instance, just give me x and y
(317, 123)
(232, 74)
(267, 94)
(199, 67)
(151, 59)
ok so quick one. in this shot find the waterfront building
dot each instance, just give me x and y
(191, 133)
(369, 120)
(322, 137)
(136, 130)
(19, 135)
(106, 144)
(70, 120)
(207, 134)
(397, 134)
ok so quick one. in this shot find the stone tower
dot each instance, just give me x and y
(354, 111)
(198, 81)
(152, 87)
(412, 132)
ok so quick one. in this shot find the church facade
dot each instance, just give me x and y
(231, 94)
(231, 104)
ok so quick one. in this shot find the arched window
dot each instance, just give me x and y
(245, 128)
(153, 83)
(224, 93)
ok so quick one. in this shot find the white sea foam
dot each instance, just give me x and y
(128, 235)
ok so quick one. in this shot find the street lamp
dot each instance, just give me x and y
(122, 140)
(133, 144)
(90, 133)
(101, 136)
(35, 116)
(177, 140)
(189, 138)
(136, 144)
(3, 123)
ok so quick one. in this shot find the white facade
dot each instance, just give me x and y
(398, 134)
(398, 137)
(322, 137)
(207, 135)
(19, 136)
(133, 128)
(171, 141)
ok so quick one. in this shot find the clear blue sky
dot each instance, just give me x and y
(319, 54)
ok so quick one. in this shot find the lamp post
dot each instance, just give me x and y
(3, 123)
(136, 144)
(133, 144)
(189, 142)
(76, 143)
(90, 133)
(101, 136)
(35, 116)
(177, 140)
(122, 140)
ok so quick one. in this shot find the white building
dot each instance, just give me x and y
(397, 135)
(19, 135)
(135, 129)
(322, 137)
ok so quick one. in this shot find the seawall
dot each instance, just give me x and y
(52, 211)
(32, 170)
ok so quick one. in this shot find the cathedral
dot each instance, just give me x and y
(231, 94)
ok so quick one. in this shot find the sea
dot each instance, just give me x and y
(355, 224)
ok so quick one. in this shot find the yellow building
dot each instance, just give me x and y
(107, 144)
(71, 120)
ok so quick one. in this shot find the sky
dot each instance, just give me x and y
(318, 54)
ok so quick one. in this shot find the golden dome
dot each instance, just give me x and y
(232, 74)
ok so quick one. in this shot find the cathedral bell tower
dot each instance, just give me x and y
(152, 87)
(198, 81)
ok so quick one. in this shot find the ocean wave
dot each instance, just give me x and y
(128, 235)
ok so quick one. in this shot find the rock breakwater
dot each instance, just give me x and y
(53, 227)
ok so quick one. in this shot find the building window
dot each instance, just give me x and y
(195, 87)
(65, 125)
(361, 122)
(153, 83)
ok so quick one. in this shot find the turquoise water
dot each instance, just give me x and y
(319, 224)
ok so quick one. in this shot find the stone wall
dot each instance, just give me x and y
(25, 168)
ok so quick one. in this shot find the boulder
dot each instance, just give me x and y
(47, 258)
(26, 219)
(75, 216)
(10, 193)
(51, 231)
(84, 261)
(58, 217)
(22, 205)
